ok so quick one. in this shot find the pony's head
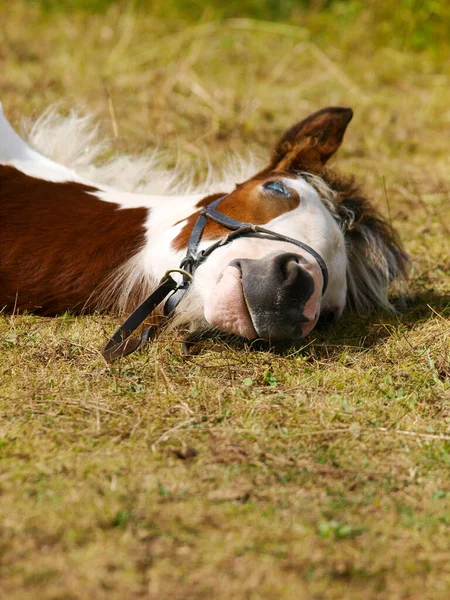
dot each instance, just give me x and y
(260, 287)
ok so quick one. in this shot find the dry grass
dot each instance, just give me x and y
(322, 472)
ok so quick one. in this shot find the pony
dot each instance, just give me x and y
(70, 244)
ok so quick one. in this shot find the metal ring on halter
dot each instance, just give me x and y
(181, 271)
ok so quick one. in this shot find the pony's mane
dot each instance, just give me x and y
(374, 251)
(74, 141)
(375, 255)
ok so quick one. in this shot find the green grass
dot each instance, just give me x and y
(321, 472)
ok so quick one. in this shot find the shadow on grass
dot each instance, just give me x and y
(352, 331)
(363, 332)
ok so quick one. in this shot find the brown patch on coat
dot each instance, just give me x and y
(248, 203)
(59, 244)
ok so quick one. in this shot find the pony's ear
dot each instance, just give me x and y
(309, 144)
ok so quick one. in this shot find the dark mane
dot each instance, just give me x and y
(375, 254)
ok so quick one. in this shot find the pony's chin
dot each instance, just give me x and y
(226, 308)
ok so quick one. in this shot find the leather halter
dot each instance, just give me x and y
(121, 343)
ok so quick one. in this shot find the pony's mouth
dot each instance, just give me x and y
(226, 308)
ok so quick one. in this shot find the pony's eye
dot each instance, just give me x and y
(277, 187)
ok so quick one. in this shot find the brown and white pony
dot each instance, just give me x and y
(68, 244)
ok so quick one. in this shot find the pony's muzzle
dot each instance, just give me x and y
(282, 294)
(276, 297)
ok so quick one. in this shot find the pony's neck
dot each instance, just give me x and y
(166, 217)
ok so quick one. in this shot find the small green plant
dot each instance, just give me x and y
(338, 531)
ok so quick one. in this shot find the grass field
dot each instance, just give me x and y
(323, 472)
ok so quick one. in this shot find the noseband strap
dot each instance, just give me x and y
(121, 343)
(240, 229)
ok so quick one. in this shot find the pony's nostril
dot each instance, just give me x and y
(290, 268)
(293, 274)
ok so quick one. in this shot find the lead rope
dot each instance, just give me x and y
(121, 343)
